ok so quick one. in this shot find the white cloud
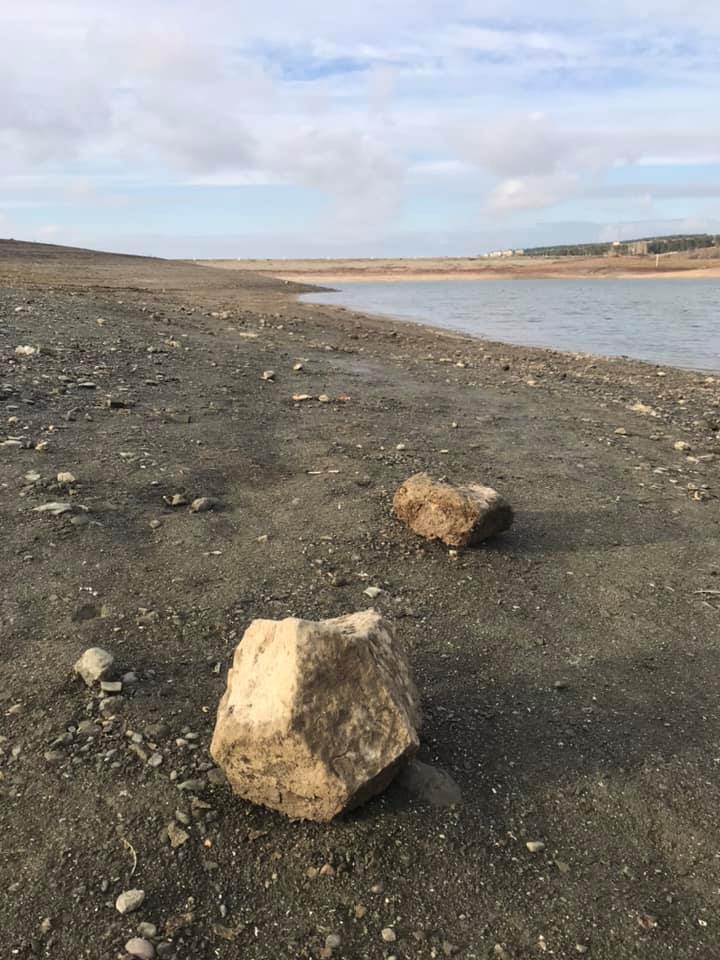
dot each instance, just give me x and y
(360, 102)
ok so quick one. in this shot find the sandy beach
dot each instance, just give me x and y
(472, 268)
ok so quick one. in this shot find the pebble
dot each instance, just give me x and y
(129, 900)
(203, 504)
(388, 935)
(176, 835)
(535, 846)
(111, 686)
(147, 930)
(155, 760)
(94, 664)
(267, 375)
(66, 478)
(332, 941)
(192, 786)
(372, 592)
(155, 524)
(141, 948)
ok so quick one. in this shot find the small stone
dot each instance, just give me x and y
(501, 953)
(141, 948)
(332, 941)
(94, 664)
(681, 446)
(129, 900)
(88, 728)
(401, 446)
(429, 785)
(80, 520)
(372, 592)
(176, 500)
(154, 524)
(192, 786)
(388, 935)
(155, 760)
(297, 367)
(66, 478)
(111, 686)
(147, 930)
(176, 835)
(360, 911)
(54, 508)
(203, 504)
(535, 846)
(327, 870)
(268, 375)
(581, 948)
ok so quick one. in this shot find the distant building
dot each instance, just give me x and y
(639, 248)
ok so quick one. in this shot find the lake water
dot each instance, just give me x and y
(664, 321)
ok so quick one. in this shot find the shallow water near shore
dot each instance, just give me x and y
(673, 322)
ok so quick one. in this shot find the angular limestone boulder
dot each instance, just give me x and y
(460, 516)
(316, 717)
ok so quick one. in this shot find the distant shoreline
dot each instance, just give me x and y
(675, 266)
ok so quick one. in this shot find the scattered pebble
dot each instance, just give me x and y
(535, 846)
(268, 375)
(388, 935)
(141, 948)
(203, 504)
(129, 900)
(66, 478)
(94, 664)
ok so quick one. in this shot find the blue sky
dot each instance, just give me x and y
(308, 129)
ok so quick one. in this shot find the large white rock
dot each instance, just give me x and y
(316, 717)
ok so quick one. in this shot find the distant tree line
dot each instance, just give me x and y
(677, 243)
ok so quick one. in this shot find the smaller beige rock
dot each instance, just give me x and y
(682, 446)
(140, 948)
(66, 478)
(25, 351)
(203, 504)
(268, 375)
(129, 900)
(94, 664)
(176, 835)
(460, 516)
(176, 500)
(535, 846)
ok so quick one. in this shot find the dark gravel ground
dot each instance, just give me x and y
(569, 670)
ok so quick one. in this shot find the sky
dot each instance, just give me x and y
(393, 128)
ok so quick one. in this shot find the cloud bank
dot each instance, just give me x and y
(382, 121)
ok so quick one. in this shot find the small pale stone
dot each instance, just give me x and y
(94, 664)
(66, 478)
(535, 846)
(111, 686)
(141, 948)
(129, 900)
(176, 835)
(388, 935)
(147, 930)
(203, 504)
(267, 375)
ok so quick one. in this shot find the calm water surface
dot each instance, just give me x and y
(664, 321)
